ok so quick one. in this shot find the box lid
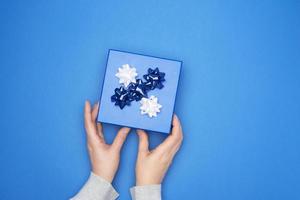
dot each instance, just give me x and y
(131, 116)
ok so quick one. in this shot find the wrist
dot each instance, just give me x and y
(102, 175)
(147, 182)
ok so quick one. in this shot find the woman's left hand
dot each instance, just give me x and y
(104, 157)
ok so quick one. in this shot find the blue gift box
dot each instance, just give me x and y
(130, 116)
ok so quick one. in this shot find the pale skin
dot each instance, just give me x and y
(151, 165)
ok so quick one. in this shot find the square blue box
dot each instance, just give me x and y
(130, 116)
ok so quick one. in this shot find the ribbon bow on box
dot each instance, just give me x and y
(137, 89)
(154, 79)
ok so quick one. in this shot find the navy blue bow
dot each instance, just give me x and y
(136, 91)
(121, 97)
(154, 79)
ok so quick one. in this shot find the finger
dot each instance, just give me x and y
(89, 123)
(95, 111)
(143, 141)
(175, 137)
(99, 130)
(175, 149)
(87, 116)
(120, 138)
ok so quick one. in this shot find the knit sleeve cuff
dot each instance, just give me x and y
(147, 192)
(96, 188)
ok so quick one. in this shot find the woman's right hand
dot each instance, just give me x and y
(151, 166)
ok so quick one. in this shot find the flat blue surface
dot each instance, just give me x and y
(131, 116)
(239, 92)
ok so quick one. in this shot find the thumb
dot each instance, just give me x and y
(120, 138)
(143, 141)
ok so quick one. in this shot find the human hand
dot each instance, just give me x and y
(151, 166)
(104, 157)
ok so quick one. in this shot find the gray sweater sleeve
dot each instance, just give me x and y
(96, 188)
(147, 192)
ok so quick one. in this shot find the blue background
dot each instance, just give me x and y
(130, 116)
(239, 96)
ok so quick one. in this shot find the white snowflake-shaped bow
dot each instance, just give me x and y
(150, 106)
(126, 75)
